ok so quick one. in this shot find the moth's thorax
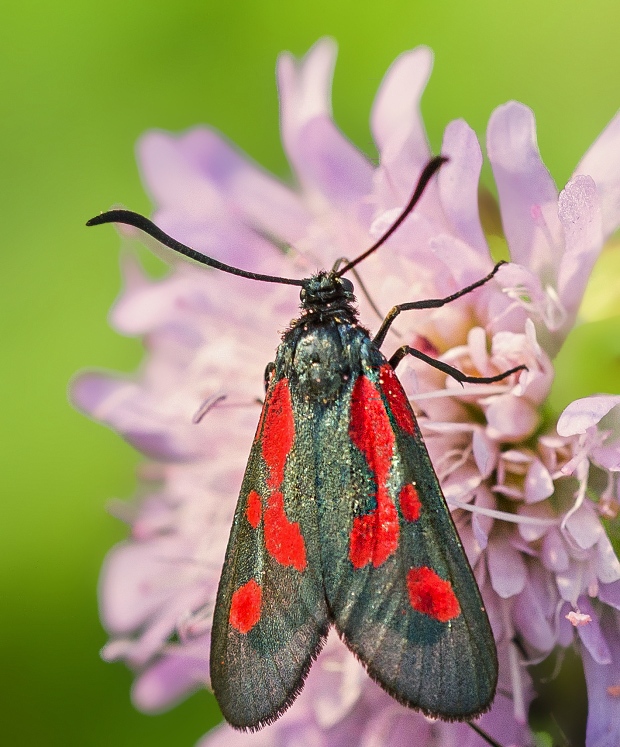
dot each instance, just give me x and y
(326, 296)
(321, 346)
(320, 364)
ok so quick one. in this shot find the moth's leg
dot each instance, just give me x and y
(431, 303)
(450, 370)
(482, 733)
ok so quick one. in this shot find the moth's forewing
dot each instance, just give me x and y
(397, 580)
(270, 616)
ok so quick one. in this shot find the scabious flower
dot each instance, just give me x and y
(527, 495)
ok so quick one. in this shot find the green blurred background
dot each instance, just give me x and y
(80, 82)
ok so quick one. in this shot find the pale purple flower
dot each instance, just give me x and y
(528, 502)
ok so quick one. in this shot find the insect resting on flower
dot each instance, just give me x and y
(341, 519)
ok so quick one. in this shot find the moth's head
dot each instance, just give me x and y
(326, 289)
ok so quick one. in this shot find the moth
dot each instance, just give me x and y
(341, 520)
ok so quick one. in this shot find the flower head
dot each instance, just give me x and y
(527, 498)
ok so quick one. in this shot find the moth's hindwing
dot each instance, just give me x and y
(270, 615)
(397, 581)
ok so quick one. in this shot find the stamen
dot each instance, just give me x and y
(465, 454)
(441, 462)
(609, 506)
(465, 391)
(554, 312)
(582, 471)
(578, 619)
(503, 515)
(587, 442)
(549, 308)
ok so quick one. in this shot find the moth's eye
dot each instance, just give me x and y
(347, 285)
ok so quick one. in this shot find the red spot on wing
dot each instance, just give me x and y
(278, 432)
(283, 538)
(361, 541)
(245, 606)
(374, 536)
(431, 595)
(409, 502)
(397, 399)
(254, 508)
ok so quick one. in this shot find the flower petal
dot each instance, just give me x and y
(585, 413)
(510, 418)
(527, 195)
(397, 124)
(584, 526)
(465, 263)
(199, 175)
(610, 594)
(144, 579)
(179, 672)
(570, 582)
(591, 634)
(486, 452)
(323, 159)
(580, 216)
(193, 205)
(482, 524)
(602, 163)
(538, 482)
(458, 190)
(506, 568)
(603, 729)
(554, 553)
(532, 613)
(607, 565)
(225, 736)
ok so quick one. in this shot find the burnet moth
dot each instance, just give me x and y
(341, 520)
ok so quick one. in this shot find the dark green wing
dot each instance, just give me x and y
(270, 615)
(397, 581)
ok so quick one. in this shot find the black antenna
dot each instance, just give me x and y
(144, 224)
(431, 167)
